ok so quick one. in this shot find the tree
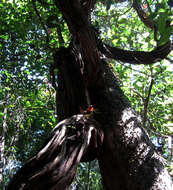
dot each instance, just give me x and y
(22, 110)
(100, 122)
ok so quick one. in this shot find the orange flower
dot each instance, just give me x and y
(90, 109)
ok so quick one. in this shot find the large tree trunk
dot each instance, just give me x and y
(127, 158)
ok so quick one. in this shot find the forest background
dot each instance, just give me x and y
(29, 30)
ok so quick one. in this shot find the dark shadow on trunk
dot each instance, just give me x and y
(128, 160)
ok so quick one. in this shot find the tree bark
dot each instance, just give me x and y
(128, 160)
(54, 166)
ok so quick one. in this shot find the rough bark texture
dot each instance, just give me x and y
(127, 155)
(70, 90)
(127, 159)
(55, 165)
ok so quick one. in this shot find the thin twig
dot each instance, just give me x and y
(59, 32)
(137, 93)
(146, 101)
(142, 15)
(88, 177)
(41, 21)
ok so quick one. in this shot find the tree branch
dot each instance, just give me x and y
(135, 57)
(41, 21)
(59, 32)
(78, 24)
(73, 140)
(146, 103)
(137, 93)
(169, 59)
(142, 15)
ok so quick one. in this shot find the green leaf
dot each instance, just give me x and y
(27, 72)
(5, 37)
(1, 114)
(28, 104)
(165, 36)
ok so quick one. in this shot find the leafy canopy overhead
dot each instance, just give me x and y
(30, 32)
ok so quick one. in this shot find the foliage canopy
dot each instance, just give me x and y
(29, 34)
